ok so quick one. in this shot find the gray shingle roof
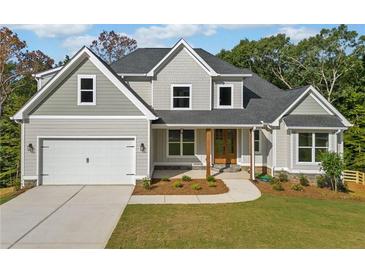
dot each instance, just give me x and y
(313, 121)
(143, 60)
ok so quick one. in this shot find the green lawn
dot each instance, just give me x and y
(269, 222)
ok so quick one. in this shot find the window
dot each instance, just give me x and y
(181, 96)
(181, 142)
(311, 145)
(86, 90)
(257, 142)
(225, 99)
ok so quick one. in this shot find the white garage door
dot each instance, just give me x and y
(87, 161)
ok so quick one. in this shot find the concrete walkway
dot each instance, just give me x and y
(62, 216)
(240, 190)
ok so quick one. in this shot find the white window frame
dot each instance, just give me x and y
(190, 96)
(181, 143)
(219, 94)
(86, 76)
(313, 147)
(258, 141)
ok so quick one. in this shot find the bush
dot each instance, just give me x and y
(332, 165)
(297, 187)
(196, 187)
(322, 181)
(283, 176)
(274, 180)
(146, 182)
(278, 186)
(303, 180)
(186, 178)
(177, 184)
(165, 179)
(211, 178)
(212, 184)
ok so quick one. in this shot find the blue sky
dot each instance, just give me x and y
(59, 40)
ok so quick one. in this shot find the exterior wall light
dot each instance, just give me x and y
(142, 147)
(30, 148)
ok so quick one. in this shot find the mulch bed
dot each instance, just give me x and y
(315, 192)
(159, 187)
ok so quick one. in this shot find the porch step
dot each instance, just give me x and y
(226, 168)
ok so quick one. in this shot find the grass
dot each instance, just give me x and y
(269, 222)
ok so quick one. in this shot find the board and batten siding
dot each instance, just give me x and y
(309, 106)
(142, 86)
(79, 127)
(237, 91)
(182, 69)
(109, 99)
(282, 146)
(160, 148)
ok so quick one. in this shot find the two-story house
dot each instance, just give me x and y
(93, 123)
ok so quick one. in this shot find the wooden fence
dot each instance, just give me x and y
(352, 176)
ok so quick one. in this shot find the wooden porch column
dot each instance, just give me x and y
(251, 142)
(208, 145)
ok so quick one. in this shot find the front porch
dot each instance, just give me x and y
(193, 151)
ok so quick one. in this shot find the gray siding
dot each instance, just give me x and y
(182, 69)
(309, 106)
(109, 99)
(282, 146)
(262, 158)
(237, 91)
(142, 86)
(132, 127)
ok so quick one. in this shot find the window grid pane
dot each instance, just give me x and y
(87, 96)
(181, 97)
(181, 142)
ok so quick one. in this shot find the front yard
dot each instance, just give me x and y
(273, 221)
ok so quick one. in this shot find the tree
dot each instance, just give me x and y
(112, 46)
(16, 63)
(332, 165)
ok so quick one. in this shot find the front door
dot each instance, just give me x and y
(225, 146)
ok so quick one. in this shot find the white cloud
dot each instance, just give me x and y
(74, 43)
(52, 30)
(298, 33)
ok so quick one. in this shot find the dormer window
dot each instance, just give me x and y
(86, 94)
(181, 96)
(225, 96)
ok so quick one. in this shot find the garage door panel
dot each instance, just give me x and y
(88, 161)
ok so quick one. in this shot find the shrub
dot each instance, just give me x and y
(212, 184)
(283, 176)
(278, 186)
(196, 187)
(177, 184)
(322, 181)
(211, 178)
(165, 179)
(274, 180)
(332, 164)
(186, 178)
(146, 182)
(303, 180)
(297, 187)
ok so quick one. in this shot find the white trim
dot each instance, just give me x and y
(320, 98)
(149, 149)
(274, 132)
(211, 93)
(29, 178)
(235, 75)
(318, 128)
(175, 163)
(47, 72)
(42, 137)
(291, 147)
(152, 93)
(87, 117)
(252, 154)
(191, 51)
(313, 147)
(218, 96)
(259, 141)
(132, 74)
(172, 86)
(22, 154)
(205, 126)
(79, 78)
(104, 70)
(181, 143)
(241, 92)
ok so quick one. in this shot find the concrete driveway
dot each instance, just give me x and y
(62, 216)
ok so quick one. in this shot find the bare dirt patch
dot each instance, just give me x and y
(159, 187)
(356, 192)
